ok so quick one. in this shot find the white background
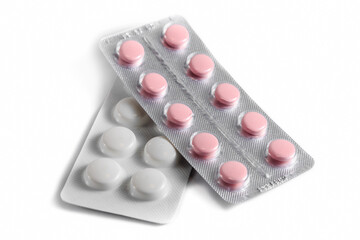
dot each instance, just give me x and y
(299, 60)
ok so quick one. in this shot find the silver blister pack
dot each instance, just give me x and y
(228, 139)
(126, 166)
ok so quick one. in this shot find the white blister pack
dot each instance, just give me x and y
(228, 139)
(126, 166)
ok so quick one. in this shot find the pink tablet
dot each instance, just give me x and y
(153, 85)
(232, 175)
(201, 66)
(131, 53)
(176, 36)
(226, 95)
(253, 124)
(280, 152)
(179, 115)
(205, 145)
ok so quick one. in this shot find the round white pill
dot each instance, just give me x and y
(119, 142)
(129, 113)
(159, 152)
(149, 184)
(104, 174)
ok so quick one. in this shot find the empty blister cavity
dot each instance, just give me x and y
(149, 184)
(225, 95)
(176, 36)
(153, 85)
(233, 175)
(159, 152)
(104, 174)
(281, 153)
(178, 115)
(252, 124)
(204, 145)
(130, 53)
(118, 142)
(200, 66)
(128, 112)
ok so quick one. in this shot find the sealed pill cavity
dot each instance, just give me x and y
(176, 36)
(118, 142)
(153, 85)
(159, 152)
(178, 115)
(225, 95)
(149, 184)
(253, 124)
(233, 175)
(128, 112)
(104, 174)
(200, 66)
(204, 145)
(130, 53)
(280, 152)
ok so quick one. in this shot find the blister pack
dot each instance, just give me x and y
(126, 166)
(228, 139)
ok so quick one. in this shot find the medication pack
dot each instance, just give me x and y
(225, 136)
(126, 166)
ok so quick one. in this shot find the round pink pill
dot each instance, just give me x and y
(153, 85)
(226, 94)
(205, 145)
(233, 174)
(179, 115)
(254, 124)
(280, 152)
(201, 65)
(131, 52)
(176, 36)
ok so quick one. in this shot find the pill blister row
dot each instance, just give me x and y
(126, 166)
(209, 118)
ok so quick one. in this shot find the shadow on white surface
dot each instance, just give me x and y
(205, 191)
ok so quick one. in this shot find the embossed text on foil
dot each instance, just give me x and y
(272, 184)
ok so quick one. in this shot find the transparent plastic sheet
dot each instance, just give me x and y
(198, 95)
(121, 199)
